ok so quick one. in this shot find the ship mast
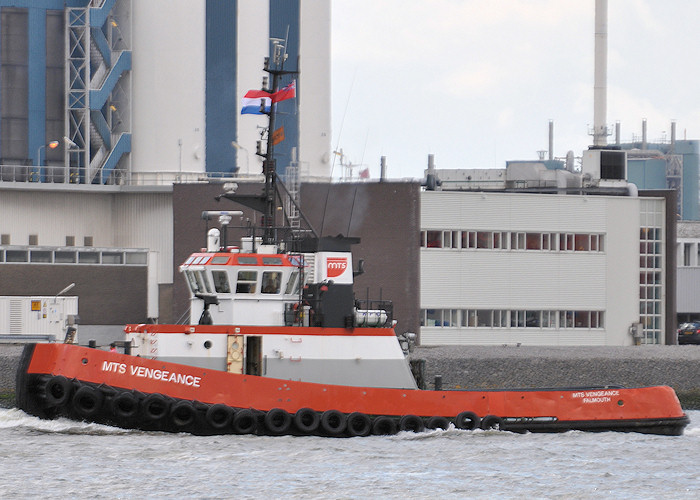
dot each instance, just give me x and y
(276, 70)
(266, 202)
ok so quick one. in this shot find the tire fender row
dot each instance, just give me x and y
(133, 409)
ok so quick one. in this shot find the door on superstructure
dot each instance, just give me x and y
(234, 355)
(253, 356)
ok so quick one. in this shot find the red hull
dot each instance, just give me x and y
(649, 409)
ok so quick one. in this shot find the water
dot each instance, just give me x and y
(66, 459)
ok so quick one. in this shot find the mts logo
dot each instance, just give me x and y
(335, 266)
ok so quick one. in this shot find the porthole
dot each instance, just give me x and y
(207, 344)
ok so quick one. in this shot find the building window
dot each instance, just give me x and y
(483, 239)
(434, 239)
(112, 258)
(517, 241)
(433, 317)
(472, 239)
(64, 257)
(566, 319)
(43, 256)
(500, 240)
(651, 283)
(89, 257)
(533, 241)
(70, 241)
(447, 239)
(484, 317)
(517, 319)
(497, 240)
(582, 242)
(12, 256)
(139, 258)
(33, 239)
(504, 319)
(687, 250)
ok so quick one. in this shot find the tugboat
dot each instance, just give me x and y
(278, 344)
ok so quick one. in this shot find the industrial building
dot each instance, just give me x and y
(133, 92)
(105, 105)
(536, 256)
(672, 163)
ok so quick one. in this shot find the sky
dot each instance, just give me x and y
(476, 83)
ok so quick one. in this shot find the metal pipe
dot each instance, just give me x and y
(551, 139)
(673, 136)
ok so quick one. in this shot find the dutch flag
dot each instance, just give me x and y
(250, 104)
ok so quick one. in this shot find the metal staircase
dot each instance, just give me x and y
(98, 62)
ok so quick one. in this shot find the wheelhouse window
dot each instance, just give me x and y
(220, 282)
(247, 281)
(292, 284)
(198, 282)
(271, 282)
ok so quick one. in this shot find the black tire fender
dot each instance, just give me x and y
(333, 422)
(58, 390)
(307, 420)
(183, 413)
(491, 422)
(87, 401)
(467, 420)
(219, 416)
(411, 423)
(384, 426)
(438, 423)
(155, 406)
(358, 424)
(125, 405)
(244, 422)
(278, 421)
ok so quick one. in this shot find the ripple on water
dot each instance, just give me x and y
(62, 458)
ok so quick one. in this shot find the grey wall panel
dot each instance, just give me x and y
(688, 289)
(55, 95)
(107, 295)
(13, 85)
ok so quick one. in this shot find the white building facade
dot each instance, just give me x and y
(541, 269)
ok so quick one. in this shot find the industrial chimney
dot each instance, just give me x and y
(600, 129)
